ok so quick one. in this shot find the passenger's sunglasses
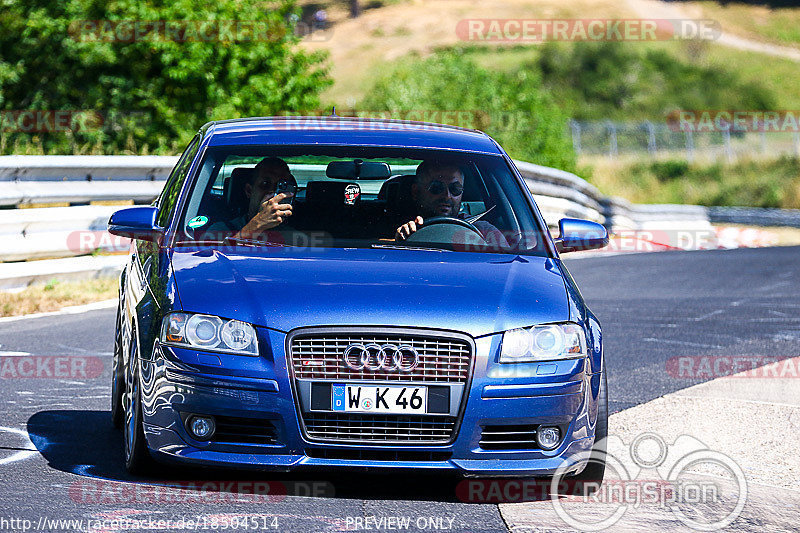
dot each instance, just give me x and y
(437, 187)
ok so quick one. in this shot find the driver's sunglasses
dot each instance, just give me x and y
(437, 187)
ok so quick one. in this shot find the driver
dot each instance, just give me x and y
(437, 191)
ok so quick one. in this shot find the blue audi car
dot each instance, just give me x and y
(349, 293)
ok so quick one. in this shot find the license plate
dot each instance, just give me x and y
(379, 399)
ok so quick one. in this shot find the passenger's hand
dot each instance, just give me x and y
(271, 213)
(404, 231)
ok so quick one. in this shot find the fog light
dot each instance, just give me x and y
(201, 427)
(548, 437)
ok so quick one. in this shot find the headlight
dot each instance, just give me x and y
(543, 343)
(209, 332)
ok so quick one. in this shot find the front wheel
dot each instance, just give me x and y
(137, 457)
(592, 476)
(117, 376)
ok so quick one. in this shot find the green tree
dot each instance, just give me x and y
(510, 107)
(151, 91)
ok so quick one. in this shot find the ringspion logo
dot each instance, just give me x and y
(648, 472)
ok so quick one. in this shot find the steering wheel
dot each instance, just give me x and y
(429, 232)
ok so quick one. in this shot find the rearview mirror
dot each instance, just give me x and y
(577, 234)
(358, 169)
(136, 223)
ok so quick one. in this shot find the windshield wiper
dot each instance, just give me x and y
(399, 246)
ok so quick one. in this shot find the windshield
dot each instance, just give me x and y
(362, 197)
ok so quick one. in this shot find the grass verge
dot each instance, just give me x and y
(757, 183)
(56, 295)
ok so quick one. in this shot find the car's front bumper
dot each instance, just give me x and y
(178, 382)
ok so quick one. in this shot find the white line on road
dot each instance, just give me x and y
(682, 343)
(21, 455)
(707, 315)
(760, 402)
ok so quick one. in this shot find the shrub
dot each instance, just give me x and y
(620, 81)
(512, 108)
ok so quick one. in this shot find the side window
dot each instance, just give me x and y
(169, 197)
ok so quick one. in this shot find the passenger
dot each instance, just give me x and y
(437, 191)
(265, 209)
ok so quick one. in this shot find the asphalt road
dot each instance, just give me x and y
(652, 307)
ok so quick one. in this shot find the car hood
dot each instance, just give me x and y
(285, 288)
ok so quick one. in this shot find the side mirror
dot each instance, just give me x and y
(136, 223)
(577, 234)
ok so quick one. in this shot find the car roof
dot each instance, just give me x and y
(353, 131)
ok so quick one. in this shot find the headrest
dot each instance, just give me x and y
(239, 177)
(397, 193)
(333, 193)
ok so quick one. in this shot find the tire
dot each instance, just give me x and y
(137, 457)
(117, 376)
(595, 470)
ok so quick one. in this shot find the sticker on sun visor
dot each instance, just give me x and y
(197, 222)
(351, 193)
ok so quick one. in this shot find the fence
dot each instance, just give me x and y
(659, 140)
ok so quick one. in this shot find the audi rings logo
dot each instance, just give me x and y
(375, 357)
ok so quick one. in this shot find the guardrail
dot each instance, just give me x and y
(53, 232)
(562, 194)
(35, 179)
(754, 216)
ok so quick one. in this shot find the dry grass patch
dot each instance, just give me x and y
(56, 295)
(360, 49)
(780, 25)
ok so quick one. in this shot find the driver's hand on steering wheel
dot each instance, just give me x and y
(404, 231)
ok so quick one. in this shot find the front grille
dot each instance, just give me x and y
(380, 429)
(441, 359)
(235, 430)
(520, 437)
(378, 455)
